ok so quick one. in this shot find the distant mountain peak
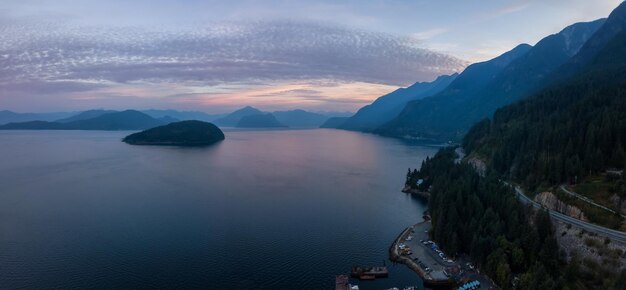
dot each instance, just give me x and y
(233, 118)
(85, 115)
(619, 11)
(483, 87)
(249, 108)
(507, 57)
(390, 105)
(439, 78)
(263, 120)
(612, 26)
(575, 35)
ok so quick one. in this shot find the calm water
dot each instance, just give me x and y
(262, 210)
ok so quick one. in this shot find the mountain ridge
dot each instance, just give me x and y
(125, 120)
(386, 107)
(447, 119)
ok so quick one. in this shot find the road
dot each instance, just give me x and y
(587, 200)
(612, 234)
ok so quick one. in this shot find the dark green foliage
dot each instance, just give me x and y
(525, 70)
(574, 128)
(185, 133)
(436, 116)
(481, 216)
(568, 131)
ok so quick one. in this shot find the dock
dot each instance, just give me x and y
(369, 273)
(430, 269)
(414, 248)
(341, 282)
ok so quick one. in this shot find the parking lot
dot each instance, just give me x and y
(429, 258)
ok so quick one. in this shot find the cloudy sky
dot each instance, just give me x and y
(216, 56)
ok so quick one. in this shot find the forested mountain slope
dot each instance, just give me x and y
(521, 77)
(570, 130)
(390, 105)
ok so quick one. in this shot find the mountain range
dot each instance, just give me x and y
(388, 106)
(263, 120)
(125, 120)
(571, 128)
(566, 130)
(64, 117)
(292, 119)
(13, 117)
(232, 119)
(83, 120)
(448, 115)
(456, 102)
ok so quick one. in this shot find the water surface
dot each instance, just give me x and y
(262, 209)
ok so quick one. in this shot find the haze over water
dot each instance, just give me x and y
(262, 209)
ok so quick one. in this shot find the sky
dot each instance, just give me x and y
(217, 56)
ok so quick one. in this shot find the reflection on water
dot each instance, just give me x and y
(263, 209)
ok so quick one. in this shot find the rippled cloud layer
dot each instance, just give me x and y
(58, 60)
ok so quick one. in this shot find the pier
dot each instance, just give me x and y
(369, 273)
(414, 249)
(432, 271)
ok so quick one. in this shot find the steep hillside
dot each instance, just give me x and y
(389, 106)
(521, 77)
(571, 129)
(417, 116)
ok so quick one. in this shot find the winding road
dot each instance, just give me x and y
(609, 233)
(587, 200)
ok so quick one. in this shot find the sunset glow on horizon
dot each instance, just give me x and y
(217, 56)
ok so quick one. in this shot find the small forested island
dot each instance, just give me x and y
(185, 133)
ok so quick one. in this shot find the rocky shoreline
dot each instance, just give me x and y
(408, 189)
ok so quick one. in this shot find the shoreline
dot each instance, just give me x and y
(435, 271)
(396, 257)
(409, 190)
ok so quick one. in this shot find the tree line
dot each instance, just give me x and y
(481, 217)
